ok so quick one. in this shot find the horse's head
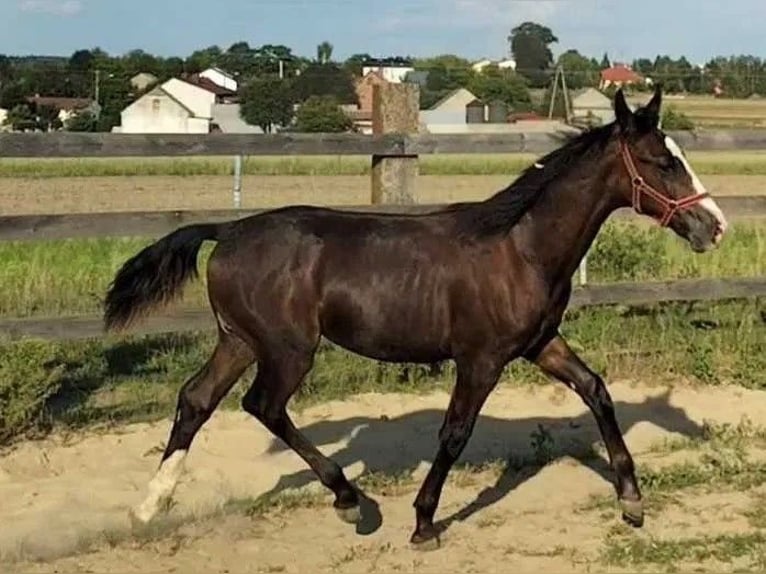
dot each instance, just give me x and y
(659, 181)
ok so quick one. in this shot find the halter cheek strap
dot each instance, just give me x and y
(669, 206)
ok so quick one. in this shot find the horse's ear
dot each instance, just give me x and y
(651, 113)
(623, 113)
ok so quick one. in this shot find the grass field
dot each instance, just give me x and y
(706, 163)
(710, 112)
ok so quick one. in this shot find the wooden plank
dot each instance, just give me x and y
(157, 223)
(91, 326)
(666, 291)
(142, 223)
(73, 144)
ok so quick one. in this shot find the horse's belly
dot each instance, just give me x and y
(387, 330)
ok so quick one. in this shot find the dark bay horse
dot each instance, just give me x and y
(481, 283)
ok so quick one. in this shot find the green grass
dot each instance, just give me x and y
(706, 163)
(72, 276)
(71, 385)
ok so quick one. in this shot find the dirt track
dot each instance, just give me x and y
(60, 494)
(94, 194)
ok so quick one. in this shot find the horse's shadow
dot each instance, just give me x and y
(401, 444)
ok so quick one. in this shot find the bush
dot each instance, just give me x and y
(29, 377)
(672, 119)
(322, 114)
(627, 253)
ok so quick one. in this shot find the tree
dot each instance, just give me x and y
(265, 102)
(83, 121)
(326, 80)
(203, 59)
(530, 47)
(324, 53)
(48, 118)
(579, 70)
(20, 117)
(446, 73)
(322, 114)
(354, 63)
(494, 84)
(605, 63)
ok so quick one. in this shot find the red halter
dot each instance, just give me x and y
(669, 206)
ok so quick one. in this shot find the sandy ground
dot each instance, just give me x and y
(95, 194)
(57, 494)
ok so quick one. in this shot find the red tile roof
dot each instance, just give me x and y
(620, 73)
(207, 84)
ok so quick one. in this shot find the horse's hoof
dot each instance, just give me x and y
(633, 512)
(425, 544)
(352, 515)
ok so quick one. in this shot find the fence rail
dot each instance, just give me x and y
(184, 319)
(156, 223)
(71, 144)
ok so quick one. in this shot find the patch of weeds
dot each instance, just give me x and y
(724, 548)
(543, 445)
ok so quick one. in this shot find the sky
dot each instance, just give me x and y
(626, 29)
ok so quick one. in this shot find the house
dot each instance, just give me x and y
(449, 113)
(619, 75)
(505, 64)
(223, 95)
(361, 114)
(592, 107)
(390, 69)
(3, 116)
(67, 107)
(220, 78)
(159, 111)
(176, 106)
(142, 81)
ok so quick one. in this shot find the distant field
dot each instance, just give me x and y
(707, 111)
(706, 163)
(151, 193)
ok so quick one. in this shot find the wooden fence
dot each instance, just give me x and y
(394, 149)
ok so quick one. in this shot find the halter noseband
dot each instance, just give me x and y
(670, 206)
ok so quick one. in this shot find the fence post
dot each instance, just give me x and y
(395, 109)
(237, 181)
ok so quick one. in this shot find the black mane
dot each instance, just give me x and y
(498, 213)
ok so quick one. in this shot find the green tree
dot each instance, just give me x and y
(265, 102)
(20, 117)
(83, 121)
(322, 114)
(324, 53)
(579, 70)
(326, 80)
(501, 85)
(48, 118)
(605, 62)
(530, 46)
(354, 63)
(203, 59)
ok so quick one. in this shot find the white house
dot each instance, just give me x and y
(593, 107)
(3, 116)
(161, 112)
(506, 64)
(390, 70)
(199, 100)
(220, 78)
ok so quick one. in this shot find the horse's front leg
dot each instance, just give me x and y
(559, 361)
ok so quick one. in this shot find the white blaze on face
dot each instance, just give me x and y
(161, 486)
(708, 204)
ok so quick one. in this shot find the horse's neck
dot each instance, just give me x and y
(561, 227)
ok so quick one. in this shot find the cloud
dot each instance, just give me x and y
(55, 7)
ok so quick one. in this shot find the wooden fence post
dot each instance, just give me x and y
(395, 109)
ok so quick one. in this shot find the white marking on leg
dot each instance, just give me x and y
(161, 486)
(708, 204)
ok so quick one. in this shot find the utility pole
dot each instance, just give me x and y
(98, 85)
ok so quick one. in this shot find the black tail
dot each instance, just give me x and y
(155, 275)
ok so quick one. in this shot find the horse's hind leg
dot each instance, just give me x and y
(266, 400)
(197, 400)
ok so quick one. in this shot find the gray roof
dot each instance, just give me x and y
(227, 118)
